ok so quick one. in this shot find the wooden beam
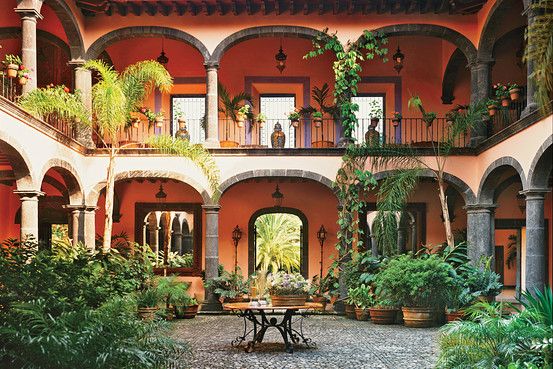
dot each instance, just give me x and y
(442, 7)
(278, 8)
(234, 7)
(180, 8)
(165, 8)
(204, 8)
(151, 9)
(306, 8)
(264, 7)
(192, 8)
(350, 6)
(412, 6)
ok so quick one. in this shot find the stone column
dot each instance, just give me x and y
(154, 240)
(178, 242)
(83, 83)
(531, 105)
(480, 81)
(29, 213)
(212, 106)
(374, 246)
(90, 227)
(536, 247)
(480, 237)
(211, 254)
(77, 223)
(29, 13)
(401, 234)
(413, 229)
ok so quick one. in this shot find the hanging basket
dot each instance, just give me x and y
(515, 93)
(159, 121)
(318, 122)
(240, 123)
(505, 101)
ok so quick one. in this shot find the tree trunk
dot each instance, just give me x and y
(110, 184)
(445, 212)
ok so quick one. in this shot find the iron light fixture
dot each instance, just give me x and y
(398, 60)
(280, 58)
(162, 58)
(321, 236)
(161, 196)
(277, 197)
(236, 236)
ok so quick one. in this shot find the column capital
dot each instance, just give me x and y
(28, 194)
(535, 193)
(29, 13)
(211, 208)
(481, 63)
(210, 65)
(77, 63)
(480, 208)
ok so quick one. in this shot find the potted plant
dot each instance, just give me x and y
(384, 311)
(492, 107)
(230, 287)
(396, 118)
(317, 119)
(420, 285)
(169, 289)
(229, 106)
(294, 117)
(375, 113)
(502, 93)
(362, 298)
(241, 115)
(317, 291)
(23, 75)
(514, 91)
(260, 119)
(159, 118)
(428, 118)
(186, 307)
(147, 301)
(482, 282)
(287, 289)
(11, 64)
(458, 298)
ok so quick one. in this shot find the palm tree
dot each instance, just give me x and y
(230, 104)
(278, 242)
(114, 97)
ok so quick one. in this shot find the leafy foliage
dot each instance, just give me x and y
(230, 105)
(228, 284)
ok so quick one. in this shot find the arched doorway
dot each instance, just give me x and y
(278, 240)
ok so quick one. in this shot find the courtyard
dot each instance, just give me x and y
(341, 344)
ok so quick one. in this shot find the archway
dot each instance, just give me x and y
(277, 240)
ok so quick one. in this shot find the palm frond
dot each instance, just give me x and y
(231, 104)
(139, 80)
(278, 242)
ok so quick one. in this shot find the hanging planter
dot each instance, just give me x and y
(240, 122)
(294, 117)
(396, 118)
(428, 118)
(295, 123)
(492, 109)
(514, 92)
(505, 101)
(11, 70)
(136, 122)
(23, 80)
(318, 119)
(159, 121)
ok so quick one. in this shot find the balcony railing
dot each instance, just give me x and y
(505, 116)
(10, 87)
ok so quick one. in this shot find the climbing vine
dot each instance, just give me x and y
(347, 68)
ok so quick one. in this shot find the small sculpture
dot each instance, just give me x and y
(278, 138)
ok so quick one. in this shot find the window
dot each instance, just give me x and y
(366, 103)
(192, 107)
(276, 108)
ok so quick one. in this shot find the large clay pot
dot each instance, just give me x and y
(288, 300)
(383, 315)
(361, 314)
(147, 313)
(350, 311)
(418, 317)
(186, 312)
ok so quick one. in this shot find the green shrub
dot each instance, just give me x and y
(416, 282)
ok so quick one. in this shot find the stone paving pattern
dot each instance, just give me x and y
(341, 344)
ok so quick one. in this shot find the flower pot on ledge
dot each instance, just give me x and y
(383, 315)
(295, 123)
(361, 314)
(322, 144)
(492, 109)
(229, 144)
(395, 122)
(505, 101)
(318, 122)
(23, 80)
(11, 70)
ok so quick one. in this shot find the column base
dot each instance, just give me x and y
(212, 306)
(339, 307)
(211, 143)
(529, 109)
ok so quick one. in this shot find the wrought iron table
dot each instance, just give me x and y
(260, 317)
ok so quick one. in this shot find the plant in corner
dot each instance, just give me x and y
(147, 301)
(420, 285)
(362, 298)
(287, 289)
(229, 286)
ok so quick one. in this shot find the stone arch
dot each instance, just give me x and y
(15, 32)
(456, 62)
(490, 179)
(541, 166)
(259, 32)
(94, 193)
(489, 34)
(260, 173)
(432, 30)
(144, 31)
(70, 26)
(460, 185)
(19, 162)
(70, 176)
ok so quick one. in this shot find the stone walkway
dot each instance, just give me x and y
(341, 344)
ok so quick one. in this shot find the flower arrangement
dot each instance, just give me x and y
(513, 86)
(242, 113)
(12, 64)
(501, 90)
(281, 283)
(294, 115)
(260, 118)
(396, 116)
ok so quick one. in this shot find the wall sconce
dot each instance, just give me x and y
(280, 58)
(236, 236)
(398, 60)
(321, 236)
(277, 197)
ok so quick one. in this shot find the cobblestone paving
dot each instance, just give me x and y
(341, 344)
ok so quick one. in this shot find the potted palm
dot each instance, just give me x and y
(147, 301)
(186, 307)
(287, 289)
(11, 65)
(458, 298)
(169, 288)
(483, 283)
(420, 285)
(230, 106)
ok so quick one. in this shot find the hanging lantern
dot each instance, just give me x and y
(162, 58)
(277, 197)
(161, 196)
(398, 60)
(280, 58)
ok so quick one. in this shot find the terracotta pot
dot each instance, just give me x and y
(295, 123)
(492, 109)
(350, 311)
(240, 123)
(454, 316)
(136, 123)
(418, 317)
(261, 124)
(320, 300)
(515, 94)
(505, 102)
(361, 314)
(395, 122)
(318, 122)
(147, 313)
(186, 312)
(322, 144)
(22, 81)
(228, 144)
(383, 315)
(159, 122)
(11, 70)
(288, 300)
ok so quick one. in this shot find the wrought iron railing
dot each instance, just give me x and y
(507, 115)
(9, 87)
